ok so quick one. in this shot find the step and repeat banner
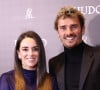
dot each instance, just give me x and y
(17, 16)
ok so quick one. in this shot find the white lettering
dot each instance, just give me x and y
(44, 42)
(98, 9)
(89, 9)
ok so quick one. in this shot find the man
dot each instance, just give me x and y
(78, 67)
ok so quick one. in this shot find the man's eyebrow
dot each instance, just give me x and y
(74, 25)
(62, 26)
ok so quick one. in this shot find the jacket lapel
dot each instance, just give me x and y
(86, 64)
(61, 79)
(60, 75)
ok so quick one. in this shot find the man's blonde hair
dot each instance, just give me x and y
(69, 12)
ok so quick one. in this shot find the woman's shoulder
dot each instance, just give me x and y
(7, 80)
(7, 75)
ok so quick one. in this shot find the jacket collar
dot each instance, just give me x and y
(86, 64)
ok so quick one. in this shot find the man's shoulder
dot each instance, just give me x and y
(55, 63)
(95, 49)
(58, 56)
(56, 60)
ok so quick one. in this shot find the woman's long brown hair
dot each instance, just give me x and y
(42, 76)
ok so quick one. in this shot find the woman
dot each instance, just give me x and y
(30, 66)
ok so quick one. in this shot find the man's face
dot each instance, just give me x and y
(70, 32)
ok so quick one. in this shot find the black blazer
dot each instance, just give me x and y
(90, 69)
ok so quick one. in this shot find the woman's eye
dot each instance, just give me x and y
(36, 49)
(25, 49)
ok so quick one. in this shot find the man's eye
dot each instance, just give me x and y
(63, 27)
(74, 26)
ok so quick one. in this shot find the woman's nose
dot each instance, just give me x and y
(30, 52)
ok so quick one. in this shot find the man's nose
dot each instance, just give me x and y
(68, 31)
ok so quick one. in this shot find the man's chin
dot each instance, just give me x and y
(70, 45)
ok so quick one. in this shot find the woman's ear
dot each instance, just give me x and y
(18, 54)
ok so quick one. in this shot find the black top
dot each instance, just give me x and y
(73, 60)
(30, 78)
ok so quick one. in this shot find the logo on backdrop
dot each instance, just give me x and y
(84, 9)
(28, 14)
(89, 9)
(44, 42)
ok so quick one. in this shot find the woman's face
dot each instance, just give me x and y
(28, 53)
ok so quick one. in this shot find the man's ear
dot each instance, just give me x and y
(83, 30)
(57, 33)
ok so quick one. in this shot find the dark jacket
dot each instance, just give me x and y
(90, 69)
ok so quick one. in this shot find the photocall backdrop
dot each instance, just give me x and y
(17, 16)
